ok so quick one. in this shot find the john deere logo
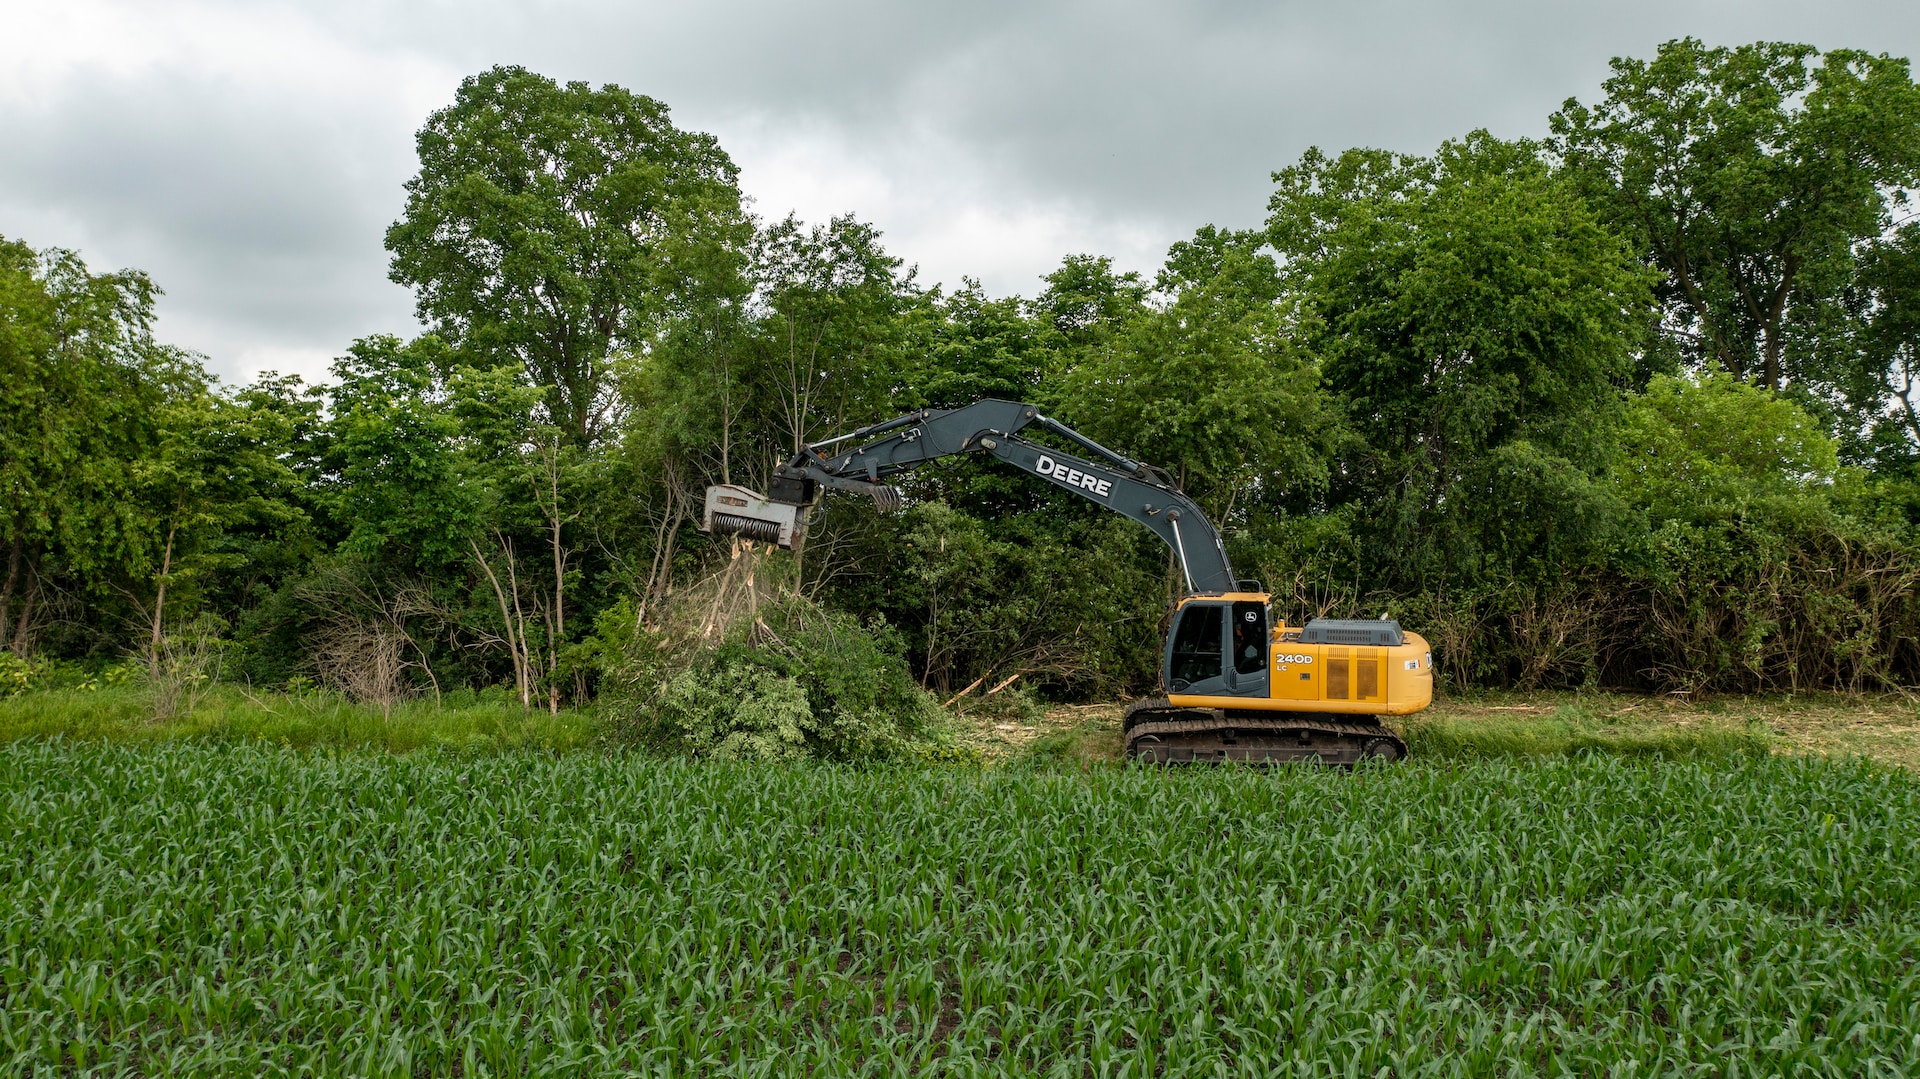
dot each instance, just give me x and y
(1072, 477)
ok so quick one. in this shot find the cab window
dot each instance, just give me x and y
(1196, 644)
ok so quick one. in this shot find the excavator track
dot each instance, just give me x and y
(1161, 732)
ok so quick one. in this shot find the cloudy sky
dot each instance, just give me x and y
(250, 154)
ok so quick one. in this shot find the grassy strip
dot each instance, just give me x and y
(1885, 728)
(1571, 730)
(1548, 726)
(230, 713)
(1488, 725)
(193, 908)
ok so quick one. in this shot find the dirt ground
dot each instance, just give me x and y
(1884, 728)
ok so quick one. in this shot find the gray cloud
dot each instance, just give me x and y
(252, 157)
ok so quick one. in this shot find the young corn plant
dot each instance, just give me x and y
(206, 909)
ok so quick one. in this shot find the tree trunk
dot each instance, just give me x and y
(520, 627)
(506, 623)
(14, 552)
(559, 586)
(31, 593)
(660, 573)
(1905, 392)
(160, 601)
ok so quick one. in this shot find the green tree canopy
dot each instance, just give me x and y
(1208, 381)
(550, 226)
(1707, 448)
(1748, 176)
(1476, 320)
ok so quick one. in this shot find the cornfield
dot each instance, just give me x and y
(231, 910)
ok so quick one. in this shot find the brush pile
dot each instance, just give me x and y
(744, 666)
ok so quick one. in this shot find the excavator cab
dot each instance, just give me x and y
(1243, 685)
(1219, 647)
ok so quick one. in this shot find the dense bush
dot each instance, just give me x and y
(793, 680)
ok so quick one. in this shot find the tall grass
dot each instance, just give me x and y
(125, 714)
(227, 909)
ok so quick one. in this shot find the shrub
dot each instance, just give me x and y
(796, 680)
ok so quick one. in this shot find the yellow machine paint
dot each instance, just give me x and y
(1331, 678)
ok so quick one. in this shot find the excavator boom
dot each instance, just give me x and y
(859, 461)
(1223, 703)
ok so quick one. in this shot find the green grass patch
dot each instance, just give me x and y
(1572, 729)
(124, 714)
(229, 909)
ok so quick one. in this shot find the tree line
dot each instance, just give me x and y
(1630, 405)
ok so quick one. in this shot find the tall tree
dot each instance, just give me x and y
(552, 226)
(976, 346)
(1476, 320)
(1207, 380)
(1085, 301)
(214, 464)
(81, 379)
(826, 300)
(1748, 176)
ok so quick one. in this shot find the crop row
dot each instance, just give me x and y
(233, 910)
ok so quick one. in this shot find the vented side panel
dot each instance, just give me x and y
(1369, 678)
(1337, 678)
(1383, 633)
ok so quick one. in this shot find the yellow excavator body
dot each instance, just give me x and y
(1342, 679)
(1242, 684)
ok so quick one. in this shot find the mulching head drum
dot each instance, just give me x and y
(732, 510)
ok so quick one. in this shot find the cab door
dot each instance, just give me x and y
(1247, 633)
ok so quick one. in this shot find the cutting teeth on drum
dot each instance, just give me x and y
(726, 524)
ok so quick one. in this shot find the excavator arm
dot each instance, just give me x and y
(861, 460)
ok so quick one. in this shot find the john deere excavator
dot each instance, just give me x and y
(1241, 684)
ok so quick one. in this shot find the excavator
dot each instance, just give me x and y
(1241, 684)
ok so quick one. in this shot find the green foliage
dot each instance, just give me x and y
(1709, 448)
(329, 912)
(113, 706)
(16, 674)
(1571, 732)
(550, 225)
(981, 347)
(1747, 176)
(1213, 382)
(1476, 321)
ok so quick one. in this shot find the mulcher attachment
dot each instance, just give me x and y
(781, 520)
(1160, 732)
(733, 510)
